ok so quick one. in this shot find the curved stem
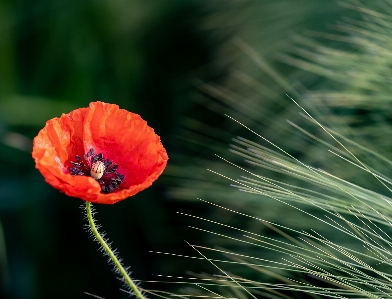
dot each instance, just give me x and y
(110, 253)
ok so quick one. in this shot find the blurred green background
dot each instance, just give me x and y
(172, 62)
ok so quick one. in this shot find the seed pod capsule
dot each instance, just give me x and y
(97, 170)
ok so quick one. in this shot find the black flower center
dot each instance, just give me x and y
(103, 170)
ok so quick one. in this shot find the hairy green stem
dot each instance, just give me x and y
(110, 253)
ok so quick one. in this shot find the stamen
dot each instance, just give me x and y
(103, 170)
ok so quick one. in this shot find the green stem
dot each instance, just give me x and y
(110, 253)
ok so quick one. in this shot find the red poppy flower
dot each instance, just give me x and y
(101, 154)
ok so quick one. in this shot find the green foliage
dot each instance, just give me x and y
(314, 215)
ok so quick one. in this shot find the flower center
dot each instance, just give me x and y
(97, 170)
(103, 170)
